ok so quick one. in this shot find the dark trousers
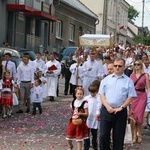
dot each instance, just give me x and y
(37, 105)
(67, 85)
(94, 140)
(117, 122)
(73, 91)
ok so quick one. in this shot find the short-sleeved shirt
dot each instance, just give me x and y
(117, 89)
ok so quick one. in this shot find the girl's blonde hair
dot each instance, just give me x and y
(141, 64)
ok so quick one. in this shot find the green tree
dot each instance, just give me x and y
(132, 14)
(138, 38)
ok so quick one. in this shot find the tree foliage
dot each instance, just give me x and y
(132, 14)
(138, 39)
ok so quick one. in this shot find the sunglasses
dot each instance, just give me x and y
(118, 66)
(137, 64)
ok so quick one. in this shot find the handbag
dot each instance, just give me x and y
(77, 122)
(128, 134)
(15, 100)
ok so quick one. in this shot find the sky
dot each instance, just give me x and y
(138, 5)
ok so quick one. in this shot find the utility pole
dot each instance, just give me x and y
(143, 22)
(116, 20)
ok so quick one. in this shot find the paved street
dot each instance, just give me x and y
(45, 131)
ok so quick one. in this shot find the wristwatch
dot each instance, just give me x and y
(122, 107)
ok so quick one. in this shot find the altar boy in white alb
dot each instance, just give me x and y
(53, 69)
(94, 105)
(91, 71)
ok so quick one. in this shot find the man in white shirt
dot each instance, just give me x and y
(53, 69)
(31, 63)
(147, 67)
(121, 45)
(25, 82)
(45, 57)
(106, 62)
(9, 65)
(39, 63)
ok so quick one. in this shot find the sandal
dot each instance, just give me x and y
(139, 139)
(134, 140)
(70, 148)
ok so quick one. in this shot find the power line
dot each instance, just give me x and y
(147, 10)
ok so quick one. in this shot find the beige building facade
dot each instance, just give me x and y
(113, 17)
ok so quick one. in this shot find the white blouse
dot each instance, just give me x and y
(78, 103)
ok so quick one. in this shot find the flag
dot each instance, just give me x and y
(121, 27)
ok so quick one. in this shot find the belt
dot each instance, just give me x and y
(140, 90)
(25, 81)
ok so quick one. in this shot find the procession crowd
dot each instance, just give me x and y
(108, 86)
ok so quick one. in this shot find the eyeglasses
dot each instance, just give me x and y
(118, 66)
(137, 64)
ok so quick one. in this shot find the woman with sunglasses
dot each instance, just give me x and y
(138, 104)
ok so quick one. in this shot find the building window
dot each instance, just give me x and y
(80, 31)
(88, 32)
(47, 1)
(72, 32)
(59, 29)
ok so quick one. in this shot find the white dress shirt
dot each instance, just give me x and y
(25, 73)
(31, 63)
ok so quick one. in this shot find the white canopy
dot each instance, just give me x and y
(96, 40)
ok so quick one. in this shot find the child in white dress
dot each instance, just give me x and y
(43, 85)
(36, 95)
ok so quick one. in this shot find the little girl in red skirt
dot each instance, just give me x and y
(77, 128)
(6, 95)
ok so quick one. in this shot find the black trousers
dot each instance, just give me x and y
(116, 122)
(73, 91)
(67, 85)
(94, 140)
(35, 105)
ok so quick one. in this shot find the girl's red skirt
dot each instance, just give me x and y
(6, 98)
(77, 132)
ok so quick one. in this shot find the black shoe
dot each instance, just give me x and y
(19, 111)
(34, 113)
(51, 98)
(40, 111)
(9, 115)
(65, 94)
(146, 127)
(27, 110)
